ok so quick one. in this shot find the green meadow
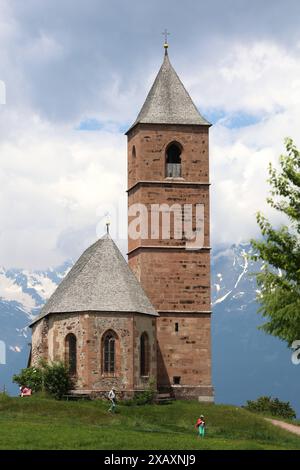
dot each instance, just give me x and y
(43, 423)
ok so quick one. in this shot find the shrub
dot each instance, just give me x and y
(31, 377)
(57, 380)
(50, 378)
(272, 406)
(146, 397)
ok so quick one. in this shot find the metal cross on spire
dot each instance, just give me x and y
(166, 34)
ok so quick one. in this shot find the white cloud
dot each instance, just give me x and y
(253, 77)
(240, 157)
(44, 48)
(54, 178)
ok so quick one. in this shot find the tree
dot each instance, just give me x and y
(279, 249)
(52, 378)
(31, 377)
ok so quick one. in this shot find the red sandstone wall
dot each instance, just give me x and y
(144, 323)
(176, 280)
(150, 142)
(184, 353)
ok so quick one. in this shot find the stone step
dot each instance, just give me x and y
(74, 396)
(163, 398)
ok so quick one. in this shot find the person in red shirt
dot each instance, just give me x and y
(200, 425)
(25, 392)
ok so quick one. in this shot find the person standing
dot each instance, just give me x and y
(200, 424)
(112, 399)
(25, 391)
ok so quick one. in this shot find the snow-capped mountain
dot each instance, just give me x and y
(246, 362)
(22, 294)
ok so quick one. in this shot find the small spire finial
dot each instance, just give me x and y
(166, 34)
(107, 222)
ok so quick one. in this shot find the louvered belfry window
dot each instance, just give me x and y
(109, 353)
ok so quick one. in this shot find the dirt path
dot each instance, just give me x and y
(288, 427)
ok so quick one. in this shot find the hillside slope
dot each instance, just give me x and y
(36, 423)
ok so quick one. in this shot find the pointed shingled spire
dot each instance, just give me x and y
(168, 102)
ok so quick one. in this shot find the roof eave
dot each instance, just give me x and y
(36, 320)
(207, 124)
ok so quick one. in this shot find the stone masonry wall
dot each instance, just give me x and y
(145, 323)
(49, 336)
(151, 141)
(39, 341)
(176, 280)
(184, 350)
(89, 329)
(172, 196)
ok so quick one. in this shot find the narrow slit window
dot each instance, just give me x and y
(144, 355)
(71, 353)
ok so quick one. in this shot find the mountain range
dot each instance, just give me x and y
(247, 363)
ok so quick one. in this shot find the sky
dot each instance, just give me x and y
(76, 74)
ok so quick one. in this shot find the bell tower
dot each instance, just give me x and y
(168, 181)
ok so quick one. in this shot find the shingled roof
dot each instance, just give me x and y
(168, 102)
(101, 281)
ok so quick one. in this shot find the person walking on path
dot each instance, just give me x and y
(200, 425)
(112, 399)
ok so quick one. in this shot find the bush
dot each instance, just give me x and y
(31, 377)
(271, 406)
(50, 378)
(57, 381)
(146, 397)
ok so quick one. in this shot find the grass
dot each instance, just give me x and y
(43, 423)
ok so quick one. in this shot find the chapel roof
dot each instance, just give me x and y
(101, 280)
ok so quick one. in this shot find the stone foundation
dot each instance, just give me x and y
(102, 394)
(201, 393)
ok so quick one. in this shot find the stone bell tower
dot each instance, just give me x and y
(168, 170)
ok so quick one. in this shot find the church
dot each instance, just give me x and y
(129, 325)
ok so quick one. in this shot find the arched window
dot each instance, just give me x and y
(133, 152)
(144, 354)
(109, 352)
(71, 353)
(173, 161)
